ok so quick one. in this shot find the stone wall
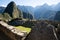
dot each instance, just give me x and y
(11, 31)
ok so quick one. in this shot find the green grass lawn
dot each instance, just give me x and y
(24, 28)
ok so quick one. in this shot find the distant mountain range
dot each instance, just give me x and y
(26, 9)
(44, 12)
(2, 9)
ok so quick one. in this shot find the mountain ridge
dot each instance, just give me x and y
(40, 12)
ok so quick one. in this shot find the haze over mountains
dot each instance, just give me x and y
(44, 12)
(2, 9)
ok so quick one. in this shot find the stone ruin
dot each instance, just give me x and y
(42, 31)
(12, 32)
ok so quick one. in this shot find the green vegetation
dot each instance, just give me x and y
(28, 24)
(27, 15)
(1, 16)
(6, 16)
(22, 28)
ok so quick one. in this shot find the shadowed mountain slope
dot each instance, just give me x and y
(12, 10)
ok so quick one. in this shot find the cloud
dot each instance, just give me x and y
(3, 5)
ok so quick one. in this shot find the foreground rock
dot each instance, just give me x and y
(12, 32)
(42, 31)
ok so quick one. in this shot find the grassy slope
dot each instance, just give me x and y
(24, 29)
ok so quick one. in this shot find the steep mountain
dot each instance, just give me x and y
(30, 9)
(27, 11)
(12, 10)
(27, 15)
(23, 8)
(44, 12)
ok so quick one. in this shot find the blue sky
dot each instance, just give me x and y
(29, 2)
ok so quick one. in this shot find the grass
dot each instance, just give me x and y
(22, 28)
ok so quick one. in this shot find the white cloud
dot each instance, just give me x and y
(30, 2)
(3, 5)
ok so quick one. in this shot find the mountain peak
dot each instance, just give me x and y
(12, 10)
(12, 3)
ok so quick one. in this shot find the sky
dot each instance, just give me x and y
(29, 2)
